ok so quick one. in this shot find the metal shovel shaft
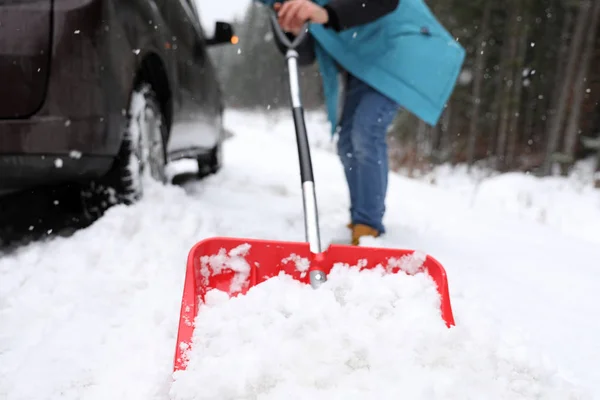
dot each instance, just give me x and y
(309, 197)
(311, 219)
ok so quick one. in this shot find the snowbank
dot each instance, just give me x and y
(362, 335)
(95, 316)
(571, 205)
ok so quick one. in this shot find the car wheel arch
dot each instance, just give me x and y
(152, 70)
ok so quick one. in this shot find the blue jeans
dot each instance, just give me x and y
(362, 148)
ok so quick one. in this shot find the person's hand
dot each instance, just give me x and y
(294, 13)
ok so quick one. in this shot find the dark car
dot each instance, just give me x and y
(105, 92)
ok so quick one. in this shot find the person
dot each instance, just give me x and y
(375, 57)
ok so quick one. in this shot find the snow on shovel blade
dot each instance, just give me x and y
(235, 265)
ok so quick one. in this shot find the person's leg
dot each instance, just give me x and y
(345, 149)
(372, 118)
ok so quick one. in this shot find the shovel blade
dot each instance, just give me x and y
(235, 265)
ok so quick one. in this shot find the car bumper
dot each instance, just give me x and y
(44, 151)
(54, 135)
(22, 172)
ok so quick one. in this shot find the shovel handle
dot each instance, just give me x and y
(309, 198)
(291, 45)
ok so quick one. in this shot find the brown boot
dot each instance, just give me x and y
(350, 225)
(360, 230)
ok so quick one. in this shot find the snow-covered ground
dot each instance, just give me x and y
(95, 316)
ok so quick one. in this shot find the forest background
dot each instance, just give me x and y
(527, 98)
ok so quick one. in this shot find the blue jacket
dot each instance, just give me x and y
(407, 55)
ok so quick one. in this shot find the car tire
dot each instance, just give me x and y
(142, 156)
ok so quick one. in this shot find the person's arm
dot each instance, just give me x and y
(338, 15)
(345, 14)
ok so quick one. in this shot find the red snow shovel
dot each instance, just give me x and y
(265, 259)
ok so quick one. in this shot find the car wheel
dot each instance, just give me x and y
(141, 159)
(143, 153)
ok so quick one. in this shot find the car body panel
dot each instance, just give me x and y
(98, 48)
(200, 98)
(25, 40)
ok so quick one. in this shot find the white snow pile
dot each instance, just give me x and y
(363, 334)
(567, 204)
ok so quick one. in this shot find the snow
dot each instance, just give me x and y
(362, 335)
(95, 315)
(570, 205)
(302, 264)
(234, 260)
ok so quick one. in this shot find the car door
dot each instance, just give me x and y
(25, 48)
(197, 126)
(204, 67)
